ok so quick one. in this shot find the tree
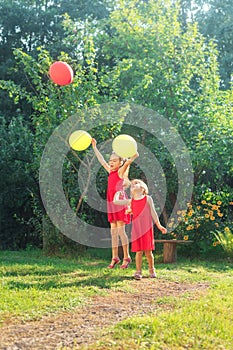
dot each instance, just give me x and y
(174, 70)
(30, 24)
(17, 186)
(214, 19)
(149, 59)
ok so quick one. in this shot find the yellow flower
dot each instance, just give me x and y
(190, 213)
(197, 225)
(231, 203)
(226, 229)
(186, 237)
(207, 216)
(183, 213)
(214, 244)
(220, 214)
(212, 218)
(211, 212)
(170, 225)
(215, 207)
(219, 202)
(198, 207)
(203, 202)
(216, 224)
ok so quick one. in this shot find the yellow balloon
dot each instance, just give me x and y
(124, 146)
(80, 140)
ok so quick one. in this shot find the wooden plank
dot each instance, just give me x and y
(170, 249)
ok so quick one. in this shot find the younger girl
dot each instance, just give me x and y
(118, 173)
(143, 211)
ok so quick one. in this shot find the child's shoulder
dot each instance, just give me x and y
(149, 198)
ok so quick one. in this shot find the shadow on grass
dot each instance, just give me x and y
(42, 273)
(104, 280)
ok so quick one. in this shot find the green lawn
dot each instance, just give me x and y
(202, 324)
(30, 283)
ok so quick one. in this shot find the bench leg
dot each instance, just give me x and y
(169, 253)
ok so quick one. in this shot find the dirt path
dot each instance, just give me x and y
(84, 326)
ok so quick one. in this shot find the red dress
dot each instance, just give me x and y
(116, 212)
(142, 226)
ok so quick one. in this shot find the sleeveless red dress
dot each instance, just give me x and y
(142, 226)
(116, 212)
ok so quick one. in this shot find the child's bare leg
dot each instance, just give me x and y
(125, 244)
(150, 260)
(114, 234)
(138, 260)
(124, 238)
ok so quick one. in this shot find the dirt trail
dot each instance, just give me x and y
(80, 328)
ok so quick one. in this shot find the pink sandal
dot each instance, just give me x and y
(126, 263)
(152, 273)
(115, 262)
(138, 275)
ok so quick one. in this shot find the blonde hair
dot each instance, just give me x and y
(143, 185)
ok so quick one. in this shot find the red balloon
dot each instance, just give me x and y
(61, 73)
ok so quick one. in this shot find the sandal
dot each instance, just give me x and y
(126, 264)
(152, 273)
(114, 262)
(137, 275)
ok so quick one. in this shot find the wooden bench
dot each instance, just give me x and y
(169, 249)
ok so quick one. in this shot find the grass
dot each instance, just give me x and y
(32, 286)
(200, 324)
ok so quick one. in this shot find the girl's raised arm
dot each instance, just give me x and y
(99, 156)
(123, 171)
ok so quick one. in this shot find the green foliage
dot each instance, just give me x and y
(202, 221)
(173, 70)
(225, 238)
(214, 19)
(143, 54)
(17, 186)
(27, 25)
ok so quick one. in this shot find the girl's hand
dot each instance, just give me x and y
(163, 229)
(129, 210)
(134, 157)
(93, 142)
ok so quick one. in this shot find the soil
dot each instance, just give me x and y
(82, 327)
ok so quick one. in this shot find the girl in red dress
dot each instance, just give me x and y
(143, 214)
(118, 175)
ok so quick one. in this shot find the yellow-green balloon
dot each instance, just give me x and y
(80, 140)
(124, 146)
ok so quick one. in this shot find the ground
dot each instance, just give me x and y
(81, 327)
